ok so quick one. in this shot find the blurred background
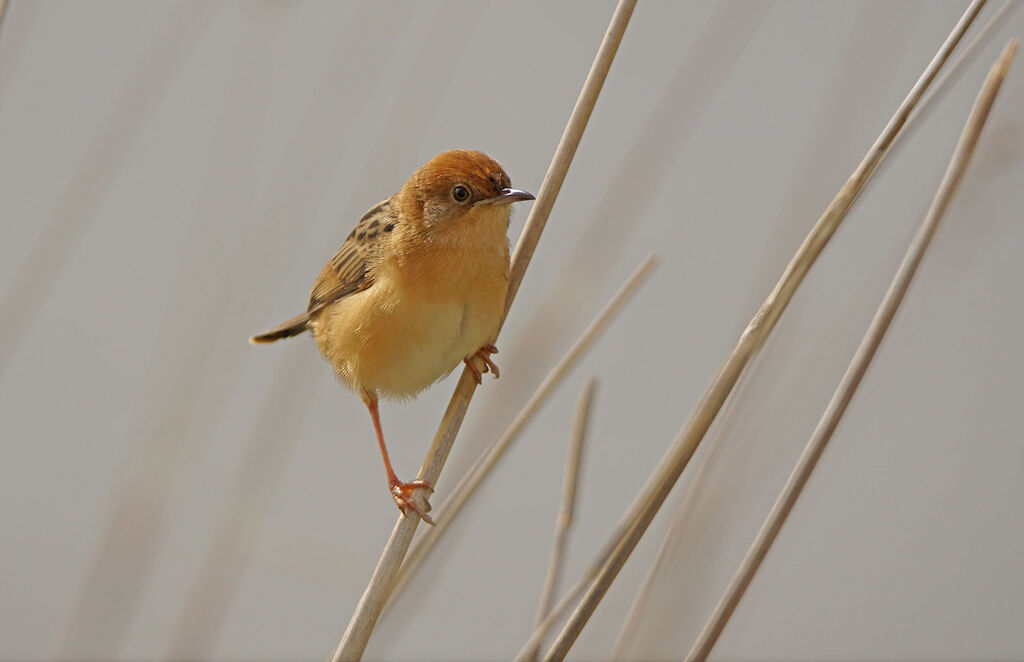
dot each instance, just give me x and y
(175, 174)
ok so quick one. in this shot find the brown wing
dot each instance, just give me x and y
(349, 270)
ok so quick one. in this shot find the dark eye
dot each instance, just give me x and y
(460, 193)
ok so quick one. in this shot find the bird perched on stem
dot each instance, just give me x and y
(418, 287)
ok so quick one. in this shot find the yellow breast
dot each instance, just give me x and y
(435, 299)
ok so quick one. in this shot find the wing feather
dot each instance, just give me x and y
(348, 271)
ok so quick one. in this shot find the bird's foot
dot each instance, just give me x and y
(402, 493)
(483, 356)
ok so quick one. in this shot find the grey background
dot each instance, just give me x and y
(174, 175)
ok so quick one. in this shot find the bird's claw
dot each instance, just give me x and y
(487, 365)
(402, 493)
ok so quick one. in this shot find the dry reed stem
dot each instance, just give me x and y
(751, 340)
(861, 360)
(966, 57)
(473, 478)
(529, 650)
(574, 454)
(570, 481)
(570, 596)
(632, 621)
(675, 533)
(357, 634)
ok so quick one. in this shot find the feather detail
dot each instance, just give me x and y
(347, 272)
(292, 327)
(350, 269)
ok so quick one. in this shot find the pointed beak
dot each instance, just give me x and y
(506, 196)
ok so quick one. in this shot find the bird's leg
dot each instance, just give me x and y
(401, 492)
(484, 356)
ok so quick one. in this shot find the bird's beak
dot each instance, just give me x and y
(506, 196)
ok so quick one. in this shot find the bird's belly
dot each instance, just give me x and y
(398, 346)
(416, 346)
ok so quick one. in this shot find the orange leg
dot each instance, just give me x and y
(484, 355)
(401, 492)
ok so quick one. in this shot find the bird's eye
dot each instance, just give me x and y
(460, 193)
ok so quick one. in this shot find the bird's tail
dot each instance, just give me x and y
(292, 327)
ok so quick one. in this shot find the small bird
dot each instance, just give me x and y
(418, 287)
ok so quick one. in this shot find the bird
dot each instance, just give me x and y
(417, 288)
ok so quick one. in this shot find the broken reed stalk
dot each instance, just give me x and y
(632, 621)
(574, 454)
(751, 340)
(861, 360)
(357, 634)
(467, 486)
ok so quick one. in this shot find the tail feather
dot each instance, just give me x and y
(292, 327)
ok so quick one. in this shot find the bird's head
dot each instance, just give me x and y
(458, 186)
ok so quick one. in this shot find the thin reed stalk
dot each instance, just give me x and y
(860, 363)
(570, 597)
(473, 478)
(574, 454)
(661, 559)
(967, 55)
(530, 649)
(751, 340)
(631, 623)
(357, 634)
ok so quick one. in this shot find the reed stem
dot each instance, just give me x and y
(581, 418)
(751, 340)
(859, 365)
(473, 478)
(364, 619)
(631, 623)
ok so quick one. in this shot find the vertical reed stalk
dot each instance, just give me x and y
(574, 455)
(357, 634)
